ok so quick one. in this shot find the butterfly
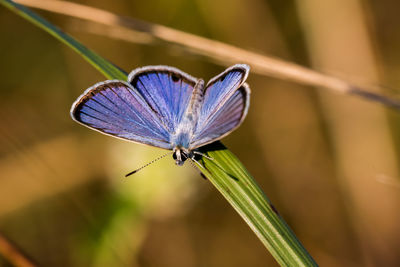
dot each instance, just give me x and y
(165, 107)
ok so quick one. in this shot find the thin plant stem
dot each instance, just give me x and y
(224, 53)
(13, 254)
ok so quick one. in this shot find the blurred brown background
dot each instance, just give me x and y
(328, 162)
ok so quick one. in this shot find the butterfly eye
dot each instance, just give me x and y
(174, 78)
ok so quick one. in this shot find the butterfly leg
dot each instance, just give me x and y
(203, 155)
(198, 163)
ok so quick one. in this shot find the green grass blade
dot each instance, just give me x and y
(235, 183)
(225, 171)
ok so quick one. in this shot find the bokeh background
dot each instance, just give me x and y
(328, 162)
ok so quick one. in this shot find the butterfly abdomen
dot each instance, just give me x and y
(195, 101)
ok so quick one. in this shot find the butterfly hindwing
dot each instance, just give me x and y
(225, 105)
(117, 109)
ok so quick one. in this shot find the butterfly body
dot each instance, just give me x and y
(164, 107)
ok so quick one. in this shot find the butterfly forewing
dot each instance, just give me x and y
(117, 109)
(225, 105)
(167, 91)
(225, 119)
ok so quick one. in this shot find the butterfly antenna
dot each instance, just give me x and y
(151, 162)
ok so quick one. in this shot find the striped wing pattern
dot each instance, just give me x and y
(167, 91)
(115, 108)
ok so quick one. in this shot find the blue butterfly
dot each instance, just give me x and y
(164, 107)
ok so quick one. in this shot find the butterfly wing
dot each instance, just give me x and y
(225, 104)
(115, 108)
(167, 91)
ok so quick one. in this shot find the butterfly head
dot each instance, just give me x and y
(180, 155)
